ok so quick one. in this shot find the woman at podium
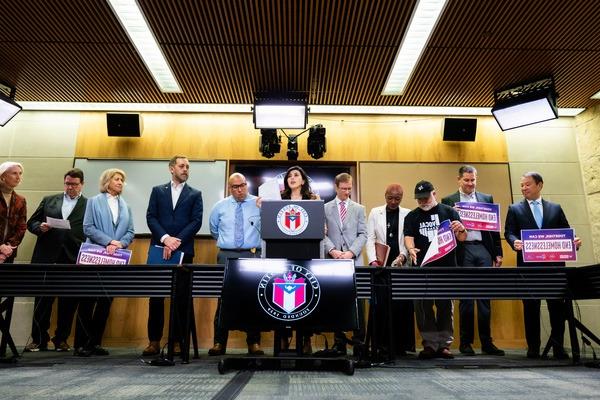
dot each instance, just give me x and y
(296, 186)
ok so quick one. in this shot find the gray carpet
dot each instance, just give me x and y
(122, 375)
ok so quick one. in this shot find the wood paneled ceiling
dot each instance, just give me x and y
(336, 52)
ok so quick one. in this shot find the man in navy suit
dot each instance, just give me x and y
(174, 217)
(533, 212)
(480, 249)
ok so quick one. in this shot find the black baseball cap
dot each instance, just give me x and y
(423, 189)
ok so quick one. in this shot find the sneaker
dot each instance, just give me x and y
(466, 349)
(33, 347)
(427, 353)
(445, 353)
(492, 350)
(61, 345)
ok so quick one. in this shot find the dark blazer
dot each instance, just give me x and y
(183, 222)
(520, 217)
(491, 240)
(50, 245)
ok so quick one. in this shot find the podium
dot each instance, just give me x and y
(292, 229)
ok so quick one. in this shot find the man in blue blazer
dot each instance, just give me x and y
(174, 217)
(480, 249)
(521, 216)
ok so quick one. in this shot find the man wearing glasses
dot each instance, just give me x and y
(235, 224)
(57, 246)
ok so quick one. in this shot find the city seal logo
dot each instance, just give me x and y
(291, 295)
(292, 220)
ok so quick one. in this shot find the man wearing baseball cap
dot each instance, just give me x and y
(420, 228)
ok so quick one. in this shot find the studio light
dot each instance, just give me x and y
(280, 113)
(525, 104)
(269, 144)
(8, 107)
(316, 145)
(292, 152)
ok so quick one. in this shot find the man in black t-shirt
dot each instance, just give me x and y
(420, 227)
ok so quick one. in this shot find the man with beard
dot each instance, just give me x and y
(174, 217)
(420, 228)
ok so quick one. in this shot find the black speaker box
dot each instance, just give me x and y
(126, 125)
(460, 129)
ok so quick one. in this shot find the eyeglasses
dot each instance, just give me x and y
(237, 187)
(72, 184)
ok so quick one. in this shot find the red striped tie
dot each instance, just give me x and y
(343, 211)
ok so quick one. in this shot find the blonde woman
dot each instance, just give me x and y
(108, 222)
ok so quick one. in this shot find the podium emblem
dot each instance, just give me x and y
(290, 296)
(292, 219)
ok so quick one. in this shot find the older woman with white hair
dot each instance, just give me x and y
(13, 211)
(108, 222)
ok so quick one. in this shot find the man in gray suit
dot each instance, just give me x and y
(480, 249)
(346, 235)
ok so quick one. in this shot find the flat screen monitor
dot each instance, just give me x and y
(267, 294)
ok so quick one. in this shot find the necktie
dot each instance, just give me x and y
(343, 211)
(537, 213)
(239, 226)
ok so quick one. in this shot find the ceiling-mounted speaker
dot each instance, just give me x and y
(460, 129)
(124, 125)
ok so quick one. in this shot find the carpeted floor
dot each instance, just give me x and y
(123, 375)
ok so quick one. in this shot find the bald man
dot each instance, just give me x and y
(386, 225)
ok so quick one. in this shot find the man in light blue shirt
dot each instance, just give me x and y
(235, 224)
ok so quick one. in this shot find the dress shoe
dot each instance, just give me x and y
(60, 345)
(33, 347)
(99, 351)
(427, 353)
(445, 353)
(254, 349)
(533, 354)
(307, 346)
(82, 352)
(340, 348)
(217, 350)
(466, 350)
(152, 349)
(176, 349)
(560, 354)
(492, 350)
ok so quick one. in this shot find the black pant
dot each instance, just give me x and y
(156, 312)
(222, 334)
(531, 314)
(358, 335)
(475, 255)
(388, 315)
(41, 319)
(91, 321)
